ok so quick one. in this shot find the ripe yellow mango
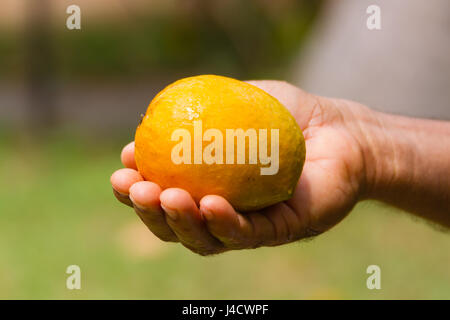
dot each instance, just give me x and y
(216, 135)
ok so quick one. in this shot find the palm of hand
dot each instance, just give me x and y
(327, 190)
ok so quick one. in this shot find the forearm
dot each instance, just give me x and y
(407, 164)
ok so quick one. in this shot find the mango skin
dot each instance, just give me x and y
(221, 103)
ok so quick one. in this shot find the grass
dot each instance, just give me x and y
(57, 209)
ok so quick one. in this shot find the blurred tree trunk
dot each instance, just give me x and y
(39, 66)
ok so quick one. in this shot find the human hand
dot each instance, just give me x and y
(334, 178)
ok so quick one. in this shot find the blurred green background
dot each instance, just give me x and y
(71, 99)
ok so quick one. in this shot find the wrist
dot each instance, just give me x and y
(399, 160)
(410, 164)
(384, 157)
(387, 154)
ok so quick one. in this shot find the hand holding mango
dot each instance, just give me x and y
(216, 164)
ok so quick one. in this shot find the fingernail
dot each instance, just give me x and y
(207, 214)
(170, 212)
